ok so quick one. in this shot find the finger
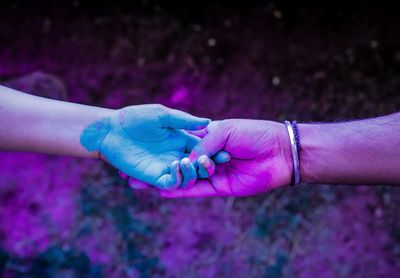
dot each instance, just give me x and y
(213, 126)
(172, 180)
(206, 167)
(188, 172)
(182, 120)
(176, 174)
(137, 184)
(202, 172)
(191, 140)
(211, 144)
(198, 133)
(202, 188)
(123, 175)
(222, 157)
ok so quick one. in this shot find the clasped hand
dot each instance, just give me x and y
(177, 152)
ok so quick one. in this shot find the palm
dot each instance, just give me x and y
(141, 144)
(142, 159)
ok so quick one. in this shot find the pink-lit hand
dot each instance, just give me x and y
(260, 159)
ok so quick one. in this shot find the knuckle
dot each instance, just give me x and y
(226, 123)
(213, 125)
(161, 113)
(160, 108)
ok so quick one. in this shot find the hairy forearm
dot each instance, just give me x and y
(31, 123)
(356, 152)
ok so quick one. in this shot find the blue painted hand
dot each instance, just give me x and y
(147, 142)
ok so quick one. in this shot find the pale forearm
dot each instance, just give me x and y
(30, 123)
(356, 152)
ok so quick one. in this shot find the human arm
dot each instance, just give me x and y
(36, 124)
(354, 152)
(357, 152)
(144, 141)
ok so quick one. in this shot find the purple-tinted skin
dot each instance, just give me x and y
(259, 159)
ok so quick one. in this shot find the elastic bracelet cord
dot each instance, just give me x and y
(296, 136)
(295, 146)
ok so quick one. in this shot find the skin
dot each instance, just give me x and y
(150, 144)
(35, 124)
(357, 152)
(260, 159)
(147, 142)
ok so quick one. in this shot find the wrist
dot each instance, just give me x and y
(323, 158)
(356, 152)
(286, 153)
(311, 144)
(93, 135)
(293, 134)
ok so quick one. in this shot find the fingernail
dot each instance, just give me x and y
(227, 156)
(204, 125)
(204, 161)
(186, 162)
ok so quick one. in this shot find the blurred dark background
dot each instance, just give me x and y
(276, 60)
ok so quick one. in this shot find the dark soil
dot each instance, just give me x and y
(328, 61)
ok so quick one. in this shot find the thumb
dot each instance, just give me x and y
(211, 144)
(182, 120)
